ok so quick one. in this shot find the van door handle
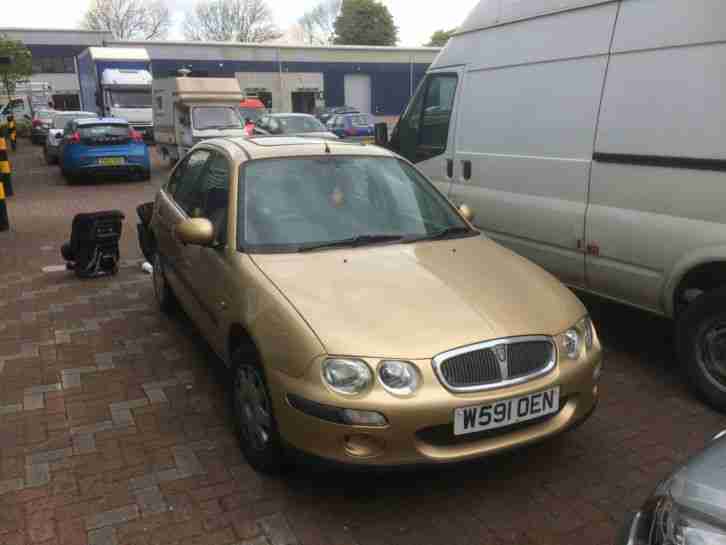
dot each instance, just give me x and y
(466, 169)
(449, 168)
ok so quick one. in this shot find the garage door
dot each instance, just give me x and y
(358, 92)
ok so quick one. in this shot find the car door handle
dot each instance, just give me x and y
(449, 168)
(466, 169)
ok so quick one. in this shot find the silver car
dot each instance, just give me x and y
(687, 508)
(54, 138)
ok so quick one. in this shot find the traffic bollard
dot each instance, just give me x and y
(13, 132)
(5, 169)
(4, 220)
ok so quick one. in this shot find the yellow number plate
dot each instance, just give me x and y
(111, 161)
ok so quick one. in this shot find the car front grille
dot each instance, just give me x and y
(495, 364)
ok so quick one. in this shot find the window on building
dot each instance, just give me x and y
(53, 65)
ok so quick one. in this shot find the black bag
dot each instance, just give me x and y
(146, 237)
(93, 249)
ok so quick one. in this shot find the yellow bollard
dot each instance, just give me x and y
(5, 168)
(4, 220)
(13, 131)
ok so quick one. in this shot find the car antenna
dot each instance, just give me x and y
(327, 148)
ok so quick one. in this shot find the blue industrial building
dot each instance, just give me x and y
(379, 80)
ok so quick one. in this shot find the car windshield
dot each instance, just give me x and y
(60, 121)
(301, 124)
(131, 99)
(216, 117)
(300, 203)
(361, 120)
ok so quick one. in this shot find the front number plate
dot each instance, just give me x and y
(111, 161)
(506, 412)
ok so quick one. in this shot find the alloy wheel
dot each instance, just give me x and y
(252, 405)
(712, 353)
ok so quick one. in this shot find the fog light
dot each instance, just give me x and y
(363, 418)
(363, 446)
(597, 372)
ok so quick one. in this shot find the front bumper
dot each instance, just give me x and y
(420, 429)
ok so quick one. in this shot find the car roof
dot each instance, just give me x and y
(270, 147)
(74, 113)
(290, 115)
(107, 120)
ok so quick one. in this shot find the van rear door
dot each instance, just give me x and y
(425, 133)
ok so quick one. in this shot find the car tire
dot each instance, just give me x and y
(257, 430)
(163, 293)
(701, 341)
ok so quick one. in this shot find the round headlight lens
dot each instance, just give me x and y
(399, 377)
(571, 343)
(347, 377)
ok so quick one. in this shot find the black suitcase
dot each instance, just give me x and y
(94, 246)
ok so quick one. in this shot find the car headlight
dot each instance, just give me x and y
(347, 376)
(577, 339)
(674, 525)
(399, 377)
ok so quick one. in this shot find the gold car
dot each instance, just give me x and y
(364, 318)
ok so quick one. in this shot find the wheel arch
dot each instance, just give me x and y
(239, 338)
(701, 271)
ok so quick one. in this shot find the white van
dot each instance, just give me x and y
(590, 137)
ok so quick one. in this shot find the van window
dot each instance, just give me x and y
(423, 130)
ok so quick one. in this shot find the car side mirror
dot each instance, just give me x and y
(381, 132)
(195, 231)
(467, 212)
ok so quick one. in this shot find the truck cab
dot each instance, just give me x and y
(126, 94)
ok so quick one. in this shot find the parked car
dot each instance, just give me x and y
(107, 146)
(585, 153)
(353, 126)
(292, 125)
(365, 320)
(325, 114)
(39, 125)
(689, 507)
(54, 138)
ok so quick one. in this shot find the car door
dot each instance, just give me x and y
(179, 200)
(212, 271)
(425, 134)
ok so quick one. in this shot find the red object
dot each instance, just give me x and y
(254, 103)
(249, 129)
(136, 136)
(75, 138)
(36, 122)
(350, 132)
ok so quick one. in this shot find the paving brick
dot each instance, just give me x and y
(277, 530)
(113, 517)
(102, 536)
(41, 526)
(37, 474)
(11, 485)
(150, 500)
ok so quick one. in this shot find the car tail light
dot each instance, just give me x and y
(136, 136)
(36, 122)
(75, 138)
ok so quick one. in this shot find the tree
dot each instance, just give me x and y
(318, 24)
(231, 21)
(440, 37)
(365, 22)
(19, 67)
(129, 19)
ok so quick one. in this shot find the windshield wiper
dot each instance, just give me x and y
(443, 233)
(360, 240)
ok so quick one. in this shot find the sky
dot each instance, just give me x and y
(416, 19)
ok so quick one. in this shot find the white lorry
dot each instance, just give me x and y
(116, 82)
(188, 110)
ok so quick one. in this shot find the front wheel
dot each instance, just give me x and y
(701, 333)
(259, 439)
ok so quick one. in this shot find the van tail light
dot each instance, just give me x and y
(75, 138)
(136, 136)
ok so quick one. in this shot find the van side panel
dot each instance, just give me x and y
(529, 129)
(662, 104)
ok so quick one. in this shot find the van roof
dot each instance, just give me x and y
(489, 13)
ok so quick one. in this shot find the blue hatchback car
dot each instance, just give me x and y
(103, 146)
(356, 126)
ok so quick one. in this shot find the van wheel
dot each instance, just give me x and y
(256, 425)
(701, 337)
(162, 291)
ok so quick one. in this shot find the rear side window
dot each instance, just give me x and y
(186, 185)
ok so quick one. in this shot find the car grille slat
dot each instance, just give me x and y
(479, 367)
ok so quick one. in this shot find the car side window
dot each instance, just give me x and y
(274, 127)
(187, 188)
(215, 195)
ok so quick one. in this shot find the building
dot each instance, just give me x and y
(379, 80)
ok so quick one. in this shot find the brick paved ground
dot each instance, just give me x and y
(114, 429)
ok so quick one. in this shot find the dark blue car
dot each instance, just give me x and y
(103, 146)
(352, 126)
